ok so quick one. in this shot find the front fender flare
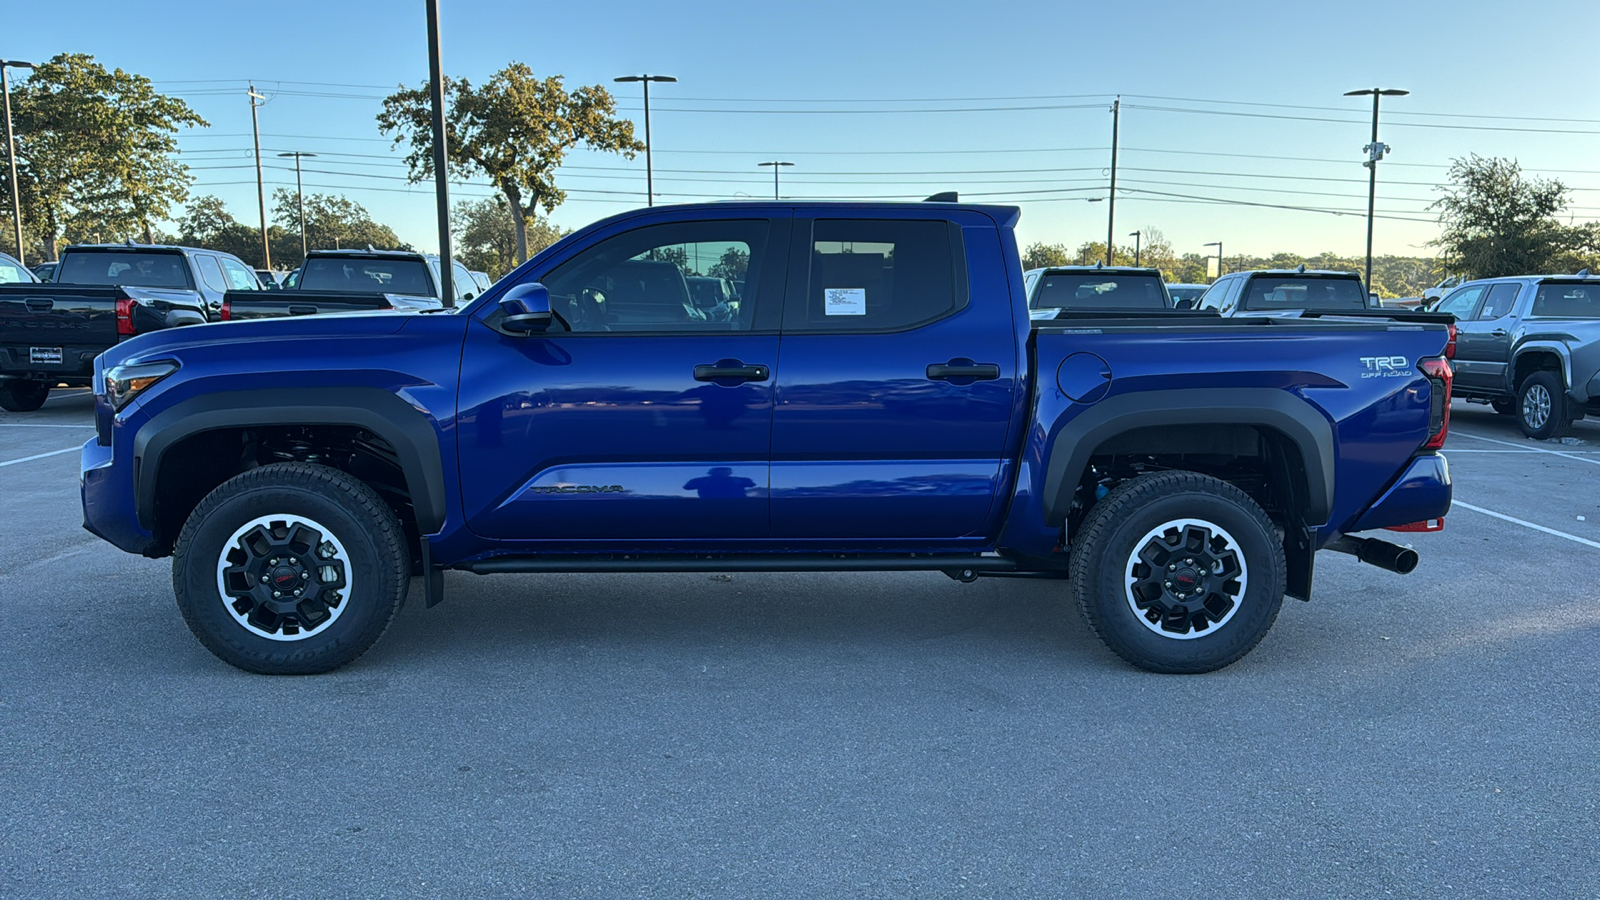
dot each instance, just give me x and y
(408, 430)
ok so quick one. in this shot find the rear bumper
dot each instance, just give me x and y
(107, 491)
(1422, 492)
(76, 365)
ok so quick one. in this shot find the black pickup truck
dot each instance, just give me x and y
(101, 296)
(1530, 346)
(332, 281)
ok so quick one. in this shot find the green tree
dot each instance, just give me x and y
(331, 222)
(207, 223)
(486, 235)
(1497, 222)
(1040, 255)
(733, 265)
(96, 150)
(515, 130)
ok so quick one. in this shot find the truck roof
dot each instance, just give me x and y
(139, 248)
(1114, 270)
(354, 252)
(1312, 273)
(1005, 215)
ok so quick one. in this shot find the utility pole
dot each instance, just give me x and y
(11, 150)
(441, 184)
(261, 188)
(1375, 152)
(1138, 237)
(776, 165)
(1111, 207)
(300, 192)
(649, 175)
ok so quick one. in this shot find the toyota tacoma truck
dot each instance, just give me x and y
(353, 281)
(1530, 347)
(880, 401)
(101, 295)
(1279, 292)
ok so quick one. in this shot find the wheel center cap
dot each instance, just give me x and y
(1186, 579)
(284, 578)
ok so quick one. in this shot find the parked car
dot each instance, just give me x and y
(581, 418)
(1184, 296)
(1436, 293)
(271, 279)
(103, 294)
(1270, 292)
(482, 280)
(14, 272)
(43, 271)
(1530, 347)
(1056, 288)
(353, 281)
(714, 297)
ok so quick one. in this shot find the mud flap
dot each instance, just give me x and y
(1299, 558)
(432, 578)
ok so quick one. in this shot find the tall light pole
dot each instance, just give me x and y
(11, 147)
(1375, 152)
(1137, 236)
(776, 165)
(1218, 245)
(441, 156)
(1111, 206)
(649, 174)
(261, 188)
(300, 192)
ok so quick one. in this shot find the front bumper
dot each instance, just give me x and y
(1423, 492)
(107, 491)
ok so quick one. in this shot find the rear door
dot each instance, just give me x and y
(896, 380)
(638, 418)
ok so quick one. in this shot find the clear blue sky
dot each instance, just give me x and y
(802, 65)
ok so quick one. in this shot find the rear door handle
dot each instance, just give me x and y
(1499, 332)
(731, 370)
(962, 370)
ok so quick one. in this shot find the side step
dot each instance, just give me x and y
(965, 566)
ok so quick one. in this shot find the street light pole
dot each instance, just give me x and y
(300, 192)
(776, 165)
(1137, 236)
(11, 147)
(261, 189)
(649, 168)
(1111, 206)
(1375, 152)
(441, 156)
(1218, 245)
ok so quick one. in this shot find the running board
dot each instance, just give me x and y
(967, 565)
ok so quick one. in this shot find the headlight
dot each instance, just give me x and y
(123, 383)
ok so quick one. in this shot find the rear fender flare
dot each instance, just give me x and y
(1306, 427)
(1554, 348)
(409, 431)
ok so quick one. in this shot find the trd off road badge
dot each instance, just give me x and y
(1385, 367)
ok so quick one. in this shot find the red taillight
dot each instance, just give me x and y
(226, 312)
(1425, 525)
(1443, 377)
(1450, 345)
(125, 315)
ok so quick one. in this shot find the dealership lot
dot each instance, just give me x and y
(816, 735)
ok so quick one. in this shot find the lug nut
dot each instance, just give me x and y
(273, 561)
(276, 594)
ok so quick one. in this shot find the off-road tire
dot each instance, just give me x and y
(1104, 559)
(372, 562)
(1542, 393)
(23, 395)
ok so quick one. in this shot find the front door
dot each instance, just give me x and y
(1483, 342)
(896, 382)
(1471, 373)
(640, 416)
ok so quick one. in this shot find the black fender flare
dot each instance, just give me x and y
(1305, 426)
(381, 412)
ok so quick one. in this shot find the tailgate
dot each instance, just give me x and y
(55, 329)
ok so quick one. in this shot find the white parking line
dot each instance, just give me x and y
(39, 425)
(12, 462)
(1525, 524)
(1479, 437)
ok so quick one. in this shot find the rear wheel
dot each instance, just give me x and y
(22, 395)
(290, 569)
(1178, 572)
(1542, 409)
(1503, 406)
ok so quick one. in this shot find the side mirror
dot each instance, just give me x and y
(526, 308)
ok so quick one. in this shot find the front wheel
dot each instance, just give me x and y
(1542, 409)
(290, 569)
(22, 395)
(1178, 572)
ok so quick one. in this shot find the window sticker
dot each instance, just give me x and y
(844, 301)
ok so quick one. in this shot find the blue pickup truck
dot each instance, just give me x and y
(879, 400)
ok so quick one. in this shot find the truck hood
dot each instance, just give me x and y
(295, 329)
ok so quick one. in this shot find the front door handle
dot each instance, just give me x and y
(1499, 332)
(963, 371)
(731, 371)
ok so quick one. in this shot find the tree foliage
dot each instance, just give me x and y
(1039, 256)
(207, 223)
(95, 151)
(486, 235)
(1495, 221)
(515, 130)
(332, 222)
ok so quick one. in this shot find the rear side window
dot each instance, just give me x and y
(117, 267)
(1501, 298)
(1568, 301)
(1092, 290)
(879, 275)
(1305, 293)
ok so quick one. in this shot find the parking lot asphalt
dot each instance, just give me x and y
(816, 735)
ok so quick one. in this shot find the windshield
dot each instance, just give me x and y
(1097, 290)
(122, 267)
(354, 274)
(1568, 301)
(1298, 292)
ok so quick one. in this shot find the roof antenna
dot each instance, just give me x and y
(1583, 273)
(1099, 264)
(1302, 269)
(370, 248)
(944, 197)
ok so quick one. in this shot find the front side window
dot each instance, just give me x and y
(1212, 298)
(240, 278)
(464, 284)
(11, 273)
(878, 274)
(1462, 302)
(639, 281)
(1500, 300)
